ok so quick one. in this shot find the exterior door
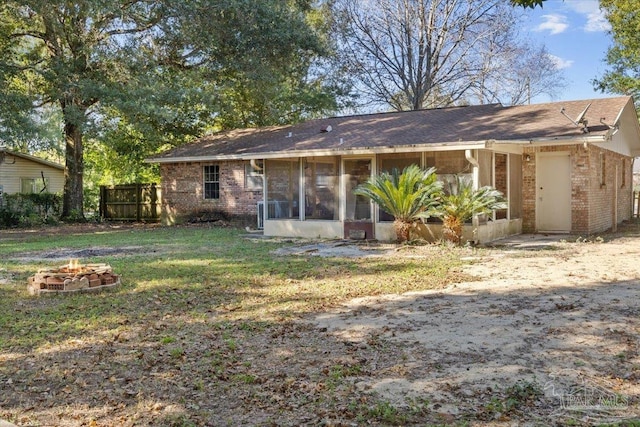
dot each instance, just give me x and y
(356, 172)
(358, 218)
(553, 192)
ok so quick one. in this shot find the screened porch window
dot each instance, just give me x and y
(253, 177)
(356, 172)
(321, 188)
(283, 188)
(515, 186)
(388, 162)
(504, 172)
(450, 165)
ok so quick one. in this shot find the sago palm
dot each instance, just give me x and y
(462, 202)
(408, 196)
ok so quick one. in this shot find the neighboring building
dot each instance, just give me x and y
(23, 173)
(565, 167)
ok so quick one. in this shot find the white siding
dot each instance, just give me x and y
(11, 174)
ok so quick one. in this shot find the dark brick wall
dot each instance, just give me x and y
(182, 191)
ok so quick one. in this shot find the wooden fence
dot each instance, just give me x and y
(130, 202)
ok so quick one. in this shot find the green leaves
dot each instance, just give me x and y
(528, 3)
(415, 194)
(128, 78)
(260, 60)
(624, 56)
(408, 195)
(462, 201)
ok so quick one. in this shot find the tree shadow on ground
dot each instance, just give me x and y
(190, 364)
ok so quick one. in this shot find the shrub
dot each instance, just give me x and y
(409, 196)
(29, 209)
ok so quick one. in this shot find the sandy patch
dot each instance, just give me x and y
(563, 316)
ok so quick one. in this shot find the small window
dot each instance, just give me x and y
(212, 182)
(603, 172)
(624, 173)
(252, 176)
(33, 185)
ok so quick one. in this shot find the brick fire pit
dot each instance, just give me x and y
(73, 277)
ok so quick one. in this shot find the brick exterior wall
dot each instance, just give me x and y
(501, 172)
(592, 208)
(592, 205)
(183, 191)
(603, 196)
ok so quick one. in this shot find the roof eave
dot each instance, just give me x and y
(33, 159)
(537, 142)
(461, 145)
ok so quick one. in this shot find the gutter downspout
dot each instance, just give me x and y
(468, 154)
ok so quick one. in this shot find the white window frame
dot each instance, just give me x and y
(205, 176)
(254, 179)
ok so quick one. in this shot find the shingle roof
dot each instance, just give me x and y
(454, 125)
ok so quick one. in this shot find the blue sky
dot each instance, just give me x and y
(575, 32)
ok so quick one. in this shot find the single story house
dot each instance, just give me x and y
(565, 167)
(24, 173)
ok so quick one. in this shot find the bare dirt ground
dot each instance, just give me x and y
(555, 319)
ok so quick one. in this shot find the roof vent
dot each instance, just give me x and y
(289, 135)
(327, 128)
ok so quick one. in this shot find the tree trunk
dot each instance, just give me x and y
(403, 230)
(73, 199)
(452, 229)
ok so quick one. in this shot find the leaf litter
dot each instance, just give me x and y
(506, 348)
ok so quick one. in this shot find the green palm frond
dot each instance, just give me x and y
(463, 201)
(408, 196)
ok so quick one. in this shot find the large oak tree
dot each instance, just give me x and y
(69, 54)
(135, 74)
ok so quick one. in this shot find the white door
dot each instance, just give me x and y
(553, 192)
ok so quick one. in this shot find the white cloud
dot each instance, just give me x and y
(560, 63)
(554, 23)
(596, 22)
(590, 9)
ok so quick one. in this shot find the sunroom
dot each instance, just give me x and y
(313, 196)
